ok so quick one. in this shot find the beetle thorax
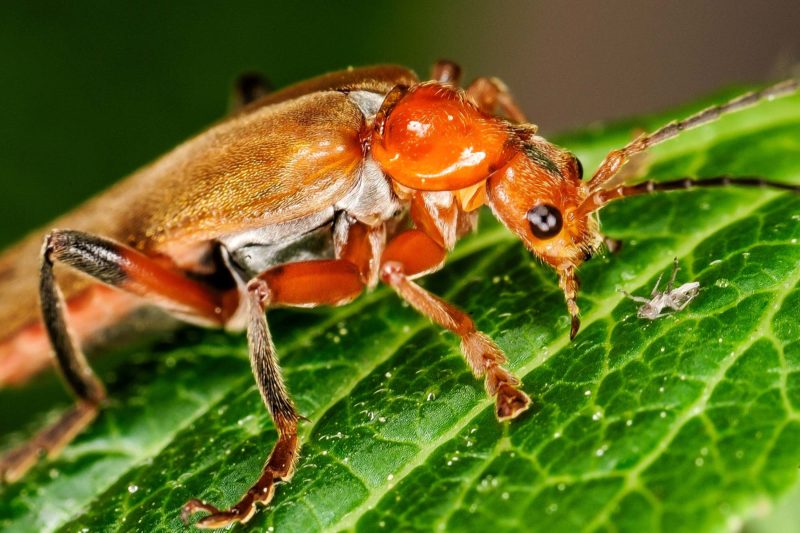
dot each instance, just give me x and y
(432, 138)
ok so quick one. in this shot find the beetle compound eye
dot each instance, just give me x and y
(545, 221)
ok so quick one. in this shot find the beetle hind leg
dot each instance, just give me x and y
(120, 267)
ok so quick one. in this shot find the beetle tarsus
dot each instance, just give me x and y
(511, 402)
(576, 326)
(279, 467)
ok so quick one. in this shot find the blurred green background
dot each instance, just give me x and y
(92, 90)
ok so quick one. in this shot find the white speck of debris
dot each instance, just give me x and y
(133, 488)
(505, 495)
(715, 262)
(661, 389)
(388, 375)
(722, 283)
(587, 393)
(381, 419)
(601, 450)
(552, 508)
(390, 477)
(629, 422)
(663, 414)
(597, 416)
(381, 524)
(557, 435)
(663, 349)
(430, 397)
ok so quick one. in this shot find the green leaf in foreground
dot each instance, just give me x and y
(687, 423)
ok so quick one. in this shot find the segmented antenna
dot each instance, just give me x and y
(650, 186)
(615, 159)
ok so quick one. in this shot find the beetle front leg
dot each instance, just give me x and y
(307, 283)
(412, 253)
(120, 267)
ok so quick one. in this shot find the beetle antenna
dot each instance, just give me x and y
(617, 158)
(600, 198)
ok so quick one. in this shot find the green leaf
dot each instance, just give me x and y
(687, 423)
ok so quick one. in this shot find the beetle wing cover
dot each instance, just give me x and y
(271, 165)
(276, 164)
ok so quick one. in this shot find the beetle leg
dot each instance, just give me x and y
(413, 253)
(361, 245)
(491, 93)
(307, 283)
(568, 281)
(120, 267)
(446, 71)
(249, 87)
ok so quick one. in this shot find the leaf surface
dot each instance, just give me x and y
(687, 423)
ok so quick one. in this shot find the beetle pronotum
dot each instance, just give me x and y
(305, 197)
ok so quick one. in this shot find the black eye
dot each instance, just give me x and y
(580, 168)
(545, 221)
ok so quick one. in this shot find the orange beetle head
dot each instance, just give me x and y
(538, 197)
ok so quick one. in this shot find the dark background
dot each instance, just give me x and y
(90, 91)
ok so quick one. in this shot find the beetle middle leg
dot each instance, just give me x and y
(491, 93)
(306, 283)
(413, 253)
(446, 71)
(120, 267)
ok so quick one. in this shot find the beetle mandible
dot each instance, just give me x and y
(306, 197)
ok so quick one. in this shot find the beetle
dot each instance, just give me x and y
(303, 197)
